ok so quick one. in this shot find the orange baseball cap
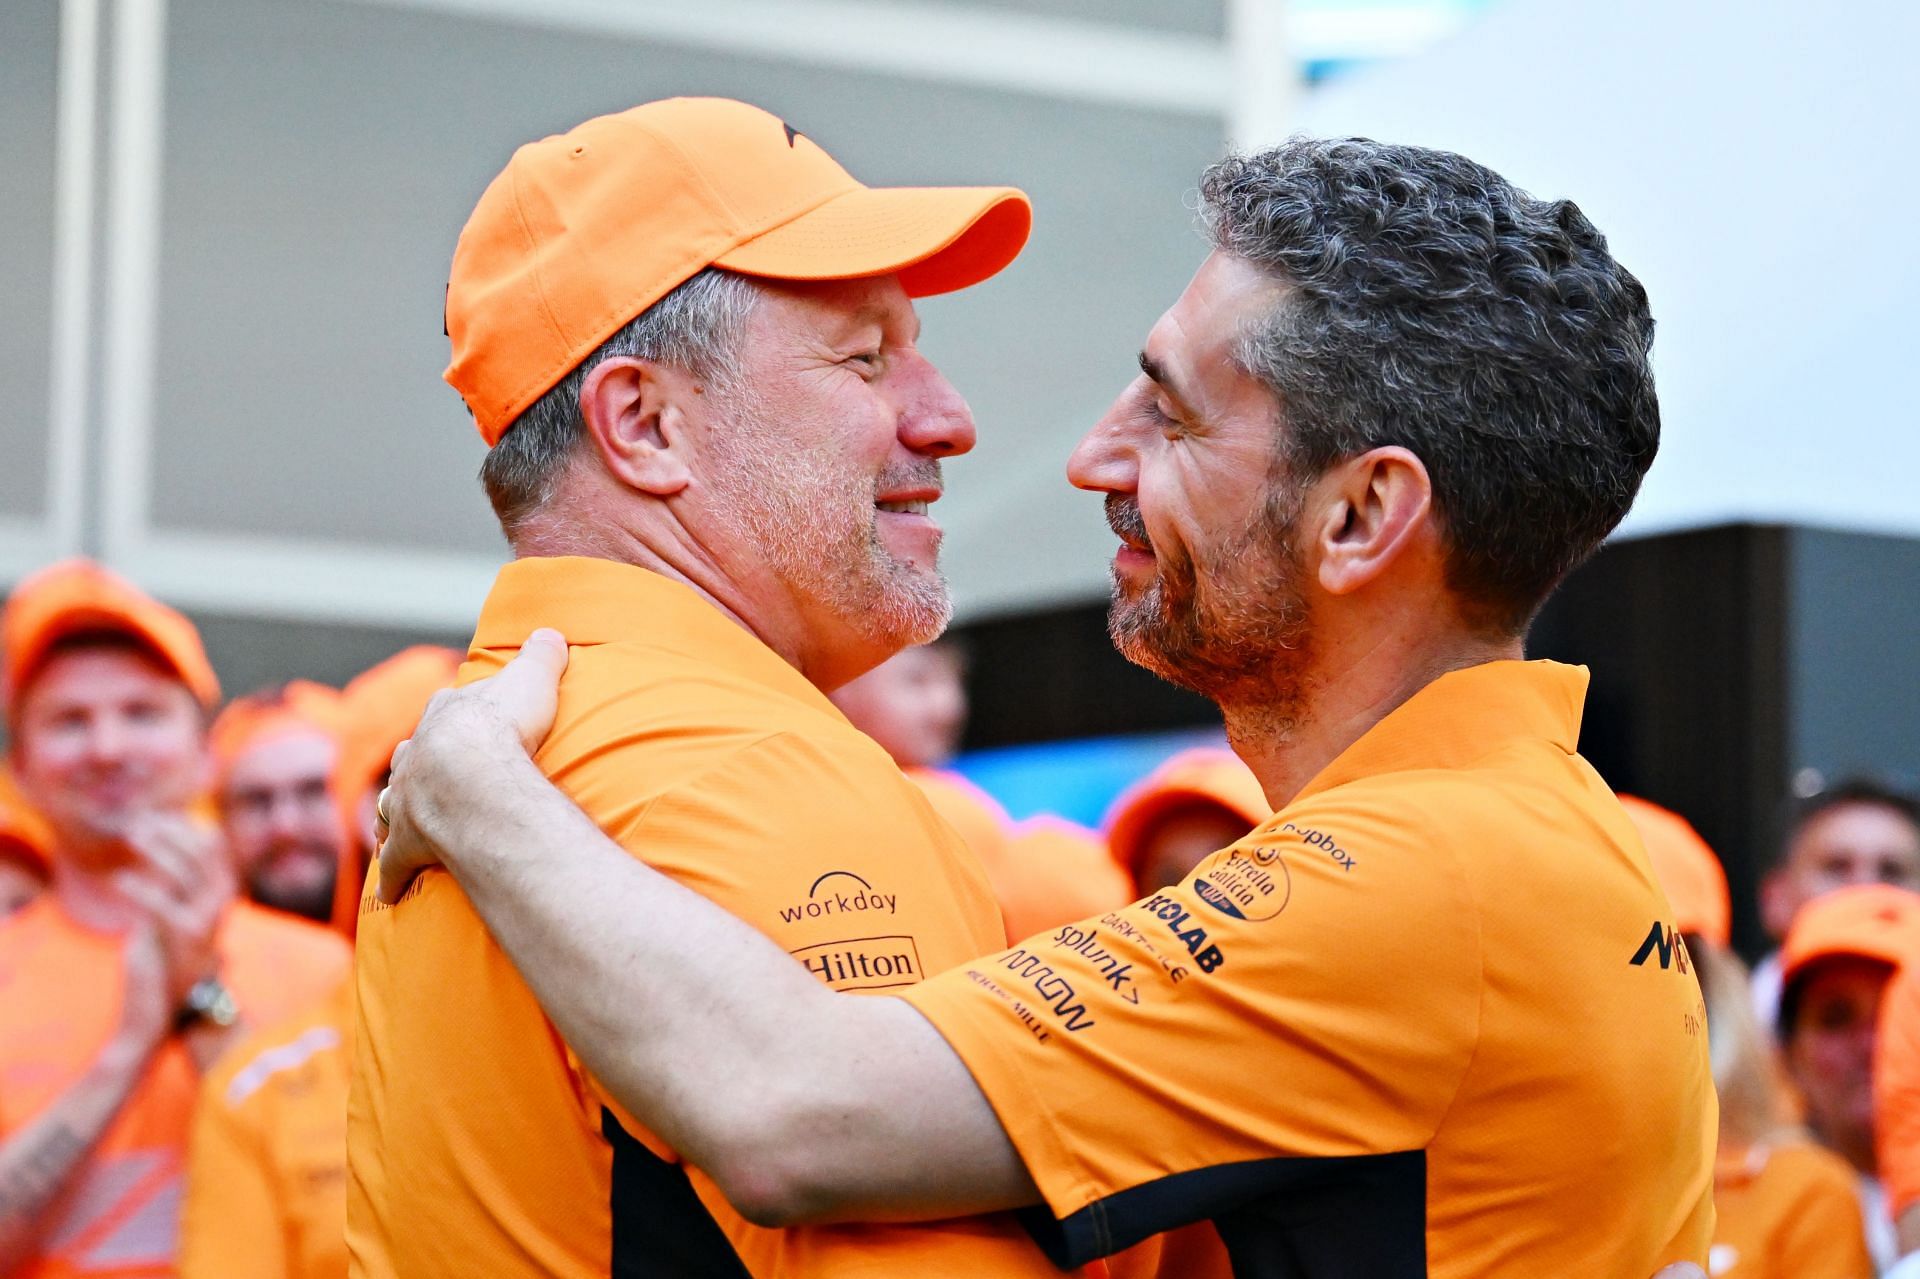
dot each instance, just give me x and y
(1202, 776)
(245, 721)
(1865, 921)
(585, 230)
(79, 595)
(1687, 868)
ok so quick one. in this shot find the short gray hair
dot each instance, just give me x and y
(696, 327)
(1432, 305)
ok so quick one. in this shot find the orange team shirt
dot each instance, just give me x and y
(1787, 1212)
(267, 1166)
(476, 1142)
(1431, 1018)
(60, 993)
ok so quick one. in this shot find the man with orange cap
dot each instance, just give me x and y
(1196, 802)
(1374, 1036)
(274, 755)
(1843, 949)
(688, 337)
(137, 969)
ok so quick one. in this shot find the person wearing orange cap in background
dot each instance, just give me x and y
(1195, 803)
(688, 337)
(137, 968)
(274, 754)
(26, 848)
(267, 1169)
(1786, 1207)
(1856, 831)
(1839, 955)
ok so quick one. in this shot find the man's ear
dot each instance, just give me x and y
(1373, 508)
(634, 411)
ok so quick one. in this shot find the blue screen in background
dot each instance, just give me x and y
(1077, 779)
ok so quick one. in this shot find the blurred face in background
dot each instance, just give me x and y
(914, 704)
(1182, 839)
(286, 833)
(1863, 843)
(104, 733)
(1829, 1051)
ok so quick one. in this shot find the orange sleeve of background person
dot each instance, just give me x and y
(1896, 1087)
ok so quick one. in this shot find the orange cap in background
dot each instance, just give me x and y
(1687, 869)
(79, 595)
(379, 708)
(585, 230)
(245, 721)
(1865, 921)
(24, 835)
(1206, 775)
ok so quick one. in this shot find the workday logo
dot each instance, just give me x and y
(839, 892)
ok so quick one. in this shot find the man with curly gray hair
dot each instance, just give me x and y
(1432, 1017)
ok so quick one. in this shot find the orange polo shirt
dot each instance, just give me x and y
(1788, 1211)
(1429, 1019)
(267, 1167)
(476, 1143)
(60, 993)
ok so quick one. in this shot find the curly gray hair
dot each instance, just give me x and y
(1432, 305)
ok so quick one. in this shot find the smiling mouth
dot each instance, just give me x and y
(916, 507)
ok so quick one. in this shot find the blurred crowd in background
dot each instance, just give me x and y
(152, 834)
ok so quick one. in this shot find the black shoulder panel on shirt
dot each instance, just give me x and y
(1292, 1217)
(660, 1227)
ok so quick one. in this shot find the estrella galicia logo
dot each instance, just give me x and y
(839, 892)
(1252, 884)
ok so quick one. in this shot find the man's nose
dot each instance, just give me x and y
(1106, 460)
(934, 417)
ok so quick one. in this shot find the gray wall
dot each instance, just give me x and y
(29, 41)
(1855, 655)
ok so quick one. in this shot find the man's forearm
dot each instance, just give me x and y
(802, 1103)
(38, 1161)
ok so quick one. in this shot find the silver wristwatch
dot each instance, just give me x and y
(210, 1001)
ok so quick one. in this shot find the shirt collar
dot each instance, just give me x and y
(1462, 716)
(593, 601)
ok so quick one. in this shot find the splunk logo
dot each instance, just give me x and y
(839, 892)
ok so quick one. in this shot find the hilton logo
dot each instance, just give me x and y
(863, 963)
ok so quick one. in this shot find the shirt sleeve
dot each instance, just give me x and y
(231, 1223)
(821, 844)
(1249, 1032)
